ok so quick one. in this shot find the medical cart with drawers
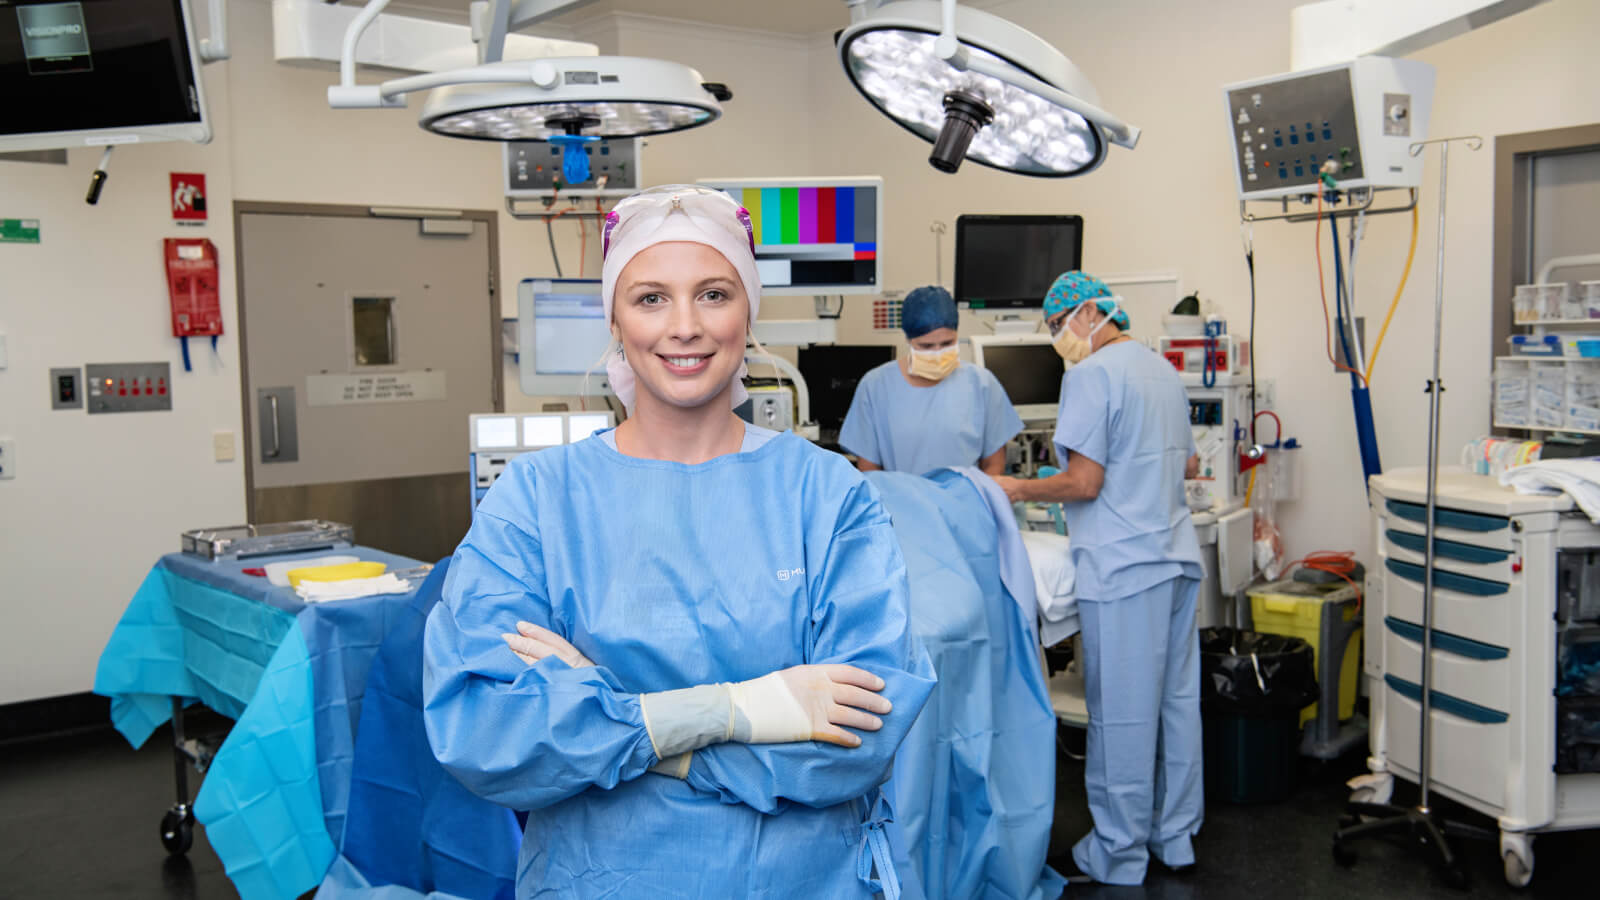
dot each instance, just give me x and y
(1516, 654)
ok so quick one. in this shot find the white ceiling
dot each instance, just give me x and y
(785, 16)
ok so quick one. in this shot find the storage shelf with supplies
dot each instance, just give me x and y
(1548, 428)
(1547, 393)
(1531, 323)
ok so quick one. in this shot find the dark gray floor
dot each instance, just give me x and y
(79, 816)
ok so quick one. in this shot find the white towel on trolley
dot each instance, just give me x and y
(1577, 478)
(349, 589)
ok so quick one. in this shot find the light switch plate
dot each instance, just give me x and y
(222, 446)
(8, 459)
(66, 388)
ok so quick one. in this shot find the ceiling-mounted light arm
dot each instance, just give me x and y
(950, 49)
(537, 72)
(491, 22)
(214, 46)
(347, 94)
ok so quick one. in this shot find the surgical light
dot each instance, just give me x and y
(595, 96)
(977, 87)
(570, 101)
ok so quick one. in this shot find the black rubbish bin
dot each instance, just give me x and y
(1252, 688)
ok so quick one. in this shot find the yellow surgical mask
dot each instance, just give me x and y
(1072, 348)
(934, 365)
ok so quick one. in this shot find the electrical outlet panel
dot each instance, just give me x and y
(129, 387)
(533, 169)
(1355, 120)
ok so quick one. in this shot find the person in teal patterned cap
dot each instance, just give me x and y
(1124, 443)
(1066, 296)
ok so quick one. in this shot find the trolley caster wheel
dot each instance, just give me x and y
(177, 831)
(1343, 855)
(1516, 851)
(1377, 788)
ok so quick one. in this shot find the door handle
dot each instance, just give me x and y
(277, 437)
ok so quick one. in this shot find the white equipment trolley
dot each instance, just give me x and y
(1516, 591)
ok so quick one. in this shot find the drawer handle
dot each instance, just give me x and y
(1448, 549)
(1444, 640)
(1464, 584)
(1455, 706)
(1448, 518)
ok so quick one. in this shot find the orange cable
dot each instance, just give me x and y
(1341, 564)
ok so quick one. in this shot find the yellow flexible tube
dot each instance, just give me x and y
(1395, 304)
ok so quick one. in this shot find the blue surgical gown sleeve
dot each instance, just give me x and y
(859, 433)
(860, 615)
(522, 736)
(1000, 420)
(1083, 421)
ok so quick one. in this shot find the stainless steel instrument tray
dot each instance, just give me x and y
(245, 541)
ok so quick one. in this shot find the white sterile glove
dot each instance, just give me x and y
(532, 643)
(803, 703)
(808, 703)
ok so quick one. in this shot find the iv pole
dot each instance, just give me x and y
(1362, 820)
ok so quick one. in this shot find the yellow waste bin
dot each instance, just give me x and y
(1295, 608)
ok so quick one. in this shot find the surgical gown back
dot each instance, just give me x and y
(905, 428)
(1125, 408)
(668, 576)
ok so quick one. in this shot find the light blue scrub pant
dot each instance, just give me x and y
(1143, 773)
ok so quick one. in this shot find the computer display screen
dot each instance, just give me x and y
(832, 373)
(96, 64)
(562, 335)
(1009, 262)
(1030, 373)
(814, 236)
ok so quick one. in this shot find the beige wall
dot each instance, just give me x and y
(99, 498)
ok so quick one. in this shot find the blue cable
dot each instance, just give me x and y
(1338, 301)
(1360, 397)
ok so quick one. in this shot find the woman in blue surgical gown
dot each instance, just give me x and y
(1124, 438)
(929, 410)
(683, 644)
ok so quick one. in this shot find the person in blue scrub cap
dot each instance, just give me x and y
(1123, 435)
(684, 644)
(929, 410)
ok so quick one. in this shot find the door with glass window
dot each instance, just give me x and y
(368, 341)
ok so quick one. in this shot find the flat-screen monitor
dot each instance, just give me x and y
(1028, 367)
(815, 236)
(1009, 262)
(90, 72)
(832, 373)
(562, 336)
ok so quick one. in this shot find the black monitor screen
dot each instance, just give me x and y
(94, 64)
(832, 373)
(1009, 262)
(1030, 373)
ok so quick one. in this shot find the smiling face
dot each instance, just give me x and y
(682, 316)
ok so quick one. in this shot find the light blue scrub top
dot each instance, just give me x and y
(668, 576)
(754, 437)
(1126, 408)
(904, 428)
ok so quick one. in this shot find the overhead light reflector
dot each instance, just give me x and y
(979, 87)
